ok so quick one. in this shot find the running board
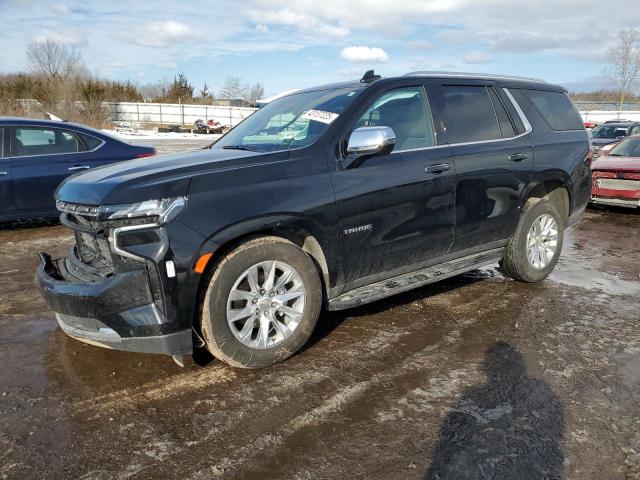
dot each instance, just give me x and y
(409, 281)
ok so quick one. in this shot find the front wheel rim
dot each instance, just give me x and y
(542, 241)
(266, 304)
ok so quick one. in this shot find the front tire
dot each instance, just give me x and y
(262, 303)
(534, 249)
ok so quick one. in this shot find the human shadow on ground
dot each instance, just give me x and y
(510, 427)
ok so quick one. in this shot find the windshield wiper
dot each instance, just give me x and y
(239, 147)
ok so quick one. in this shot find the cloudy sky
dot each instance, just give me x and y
(288, 44)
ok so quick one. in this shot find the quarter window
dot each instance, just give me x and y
(506, 127)
(469, 114)
(29, 141)
(556, 109)
(407, 112)
(89, 142)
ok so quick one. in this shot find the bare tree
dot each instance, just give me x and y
(254, 93)
(625, 63)
(231, 88)
(54, 60)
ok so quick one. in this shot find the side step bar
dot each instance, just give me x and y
(411, 280)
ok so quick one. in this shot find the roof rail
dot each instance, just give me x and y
(470, 75)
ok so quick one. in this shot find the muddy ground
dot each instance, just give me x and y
(475, 377)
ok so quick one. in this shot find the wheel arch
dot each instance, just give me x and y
(298, 230)
(557, 191)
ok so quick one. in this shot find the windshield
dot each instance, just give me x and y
(609, 131)
(289, 122)
(629, 147)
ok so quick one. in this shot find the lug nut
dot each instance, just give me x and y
(254, 301)
(257, 311)
(262, 292)
(274, 305)
(272, 294)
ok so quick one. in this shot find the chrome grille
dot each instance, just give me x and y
(618, 184)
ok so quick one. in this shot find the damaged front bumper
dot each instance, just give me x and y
(113, 313)
(121, 301)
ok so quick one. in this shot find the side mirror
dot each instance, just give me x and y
(366, 141)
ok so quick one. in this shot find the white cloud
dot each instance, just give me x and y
(364, 54)
(421, 45)
(116, 65)
(260, 28)
(160, 34)
(68, 38)
(476, 57)
(307, 24)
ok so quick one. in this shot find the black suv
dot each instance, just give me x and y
(330, 197)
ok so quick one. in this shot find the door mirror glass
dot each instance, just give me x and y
(371, 141)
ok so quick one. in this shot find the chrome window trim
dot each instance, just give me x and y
(523, 118)
(103, 142)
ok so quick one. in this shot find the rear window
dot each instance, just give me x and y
(556, 109)
(469, 114)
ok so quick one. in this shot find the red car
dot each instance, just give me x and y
(616, 175)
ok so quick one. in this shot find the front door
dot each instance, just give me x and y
(396, 211)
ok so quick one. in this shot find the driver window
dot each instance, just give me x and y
(407, 112)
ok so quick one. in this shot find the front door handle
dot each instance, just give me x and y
(4, 173)
(437, 169)
(517, 157)
(79, 167)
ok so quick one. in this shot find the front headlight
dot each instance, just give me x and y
(156, 211)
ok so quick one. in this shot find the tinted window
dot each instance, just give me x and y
(506, 127)
(406, 111)
(29, 141)
(89, 142)
(608, 131)
(635, 130)
(556, 109)
(469, 114)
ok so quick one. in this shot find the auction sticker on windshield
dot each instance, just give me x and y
(320, 116)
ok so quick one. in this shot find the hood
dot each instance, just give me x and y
(619, 164)
(162, 176)
(603, 141)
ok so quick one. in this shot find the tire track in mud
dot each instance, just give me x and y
(402, 366)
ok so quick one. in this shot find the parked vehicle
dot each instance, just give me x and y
(36, 155)
(611, 132)
(616, 175)
(330, 197)
(208, 127)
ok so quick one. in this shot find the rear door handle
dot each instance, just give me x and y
(437, 169)
(518, 157)
(79, 167)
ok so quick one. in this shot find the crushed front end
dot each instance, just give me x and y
(117, 288)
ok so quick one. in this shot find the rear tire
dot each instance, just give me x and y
(287, 313)
(535, 246)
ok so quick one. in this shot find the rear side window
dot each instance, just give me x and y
(89, 142)
(556, 109)
(469, 114)
(29, 141)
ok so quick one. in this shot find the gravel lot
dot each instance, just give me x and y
(474, 377)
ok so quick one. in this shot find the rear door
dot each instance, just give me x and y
(41, 158)
(6, 198)
(493, 156)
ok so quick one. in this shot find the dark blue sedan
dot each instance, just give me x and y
(36, 155)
